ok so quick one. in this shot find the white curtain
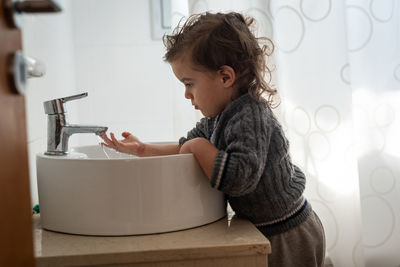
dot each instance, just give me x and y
(338, 76)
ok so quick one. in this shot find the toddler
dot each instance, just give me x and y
(239, 143)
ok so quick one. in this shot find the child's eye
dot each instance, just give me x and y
(188, 84)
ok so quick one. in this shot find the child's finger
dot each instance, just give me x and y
(109, 143)
(105, 144)
(105, 138)
(126, 134)
(114, 140)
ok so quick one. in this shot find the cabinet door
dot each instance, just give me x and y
(16, 238)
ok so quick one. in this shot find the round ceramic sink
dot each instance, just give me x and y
(91, 193)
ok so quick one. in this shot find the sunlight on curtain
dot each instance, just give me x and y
(374, 58)
(338, 75)
(311, 42)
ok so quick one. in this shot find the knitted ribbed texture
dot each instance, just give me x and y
(253, 167)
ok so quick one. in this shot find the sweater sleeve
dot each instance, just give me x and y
(238, 169)
(201, 130)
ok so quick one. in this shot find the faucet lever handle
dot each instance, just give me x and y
(56, 106)
(73, 97)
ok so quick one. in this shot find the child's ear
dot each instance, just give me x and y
(227, 75)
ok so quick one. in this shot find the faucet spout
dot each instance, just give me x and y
(73, 129)
(57, 143)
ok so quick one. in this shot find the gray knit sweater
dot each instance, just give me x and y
(253, 167)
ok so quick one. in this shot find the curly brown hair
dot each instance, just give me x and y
(221, 39)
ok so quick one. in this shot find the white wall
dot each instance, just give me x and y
(121, 67)
(48, 38)
(103, 48)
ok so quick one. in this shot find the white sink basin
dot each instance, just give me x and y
(87, 193)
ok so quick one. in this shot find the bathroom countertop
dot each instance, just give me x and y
(235, 238)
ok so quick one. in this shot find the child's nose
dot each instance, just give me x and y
(188, 95)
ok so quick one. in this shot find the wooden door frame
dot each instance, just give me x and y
(16, 233)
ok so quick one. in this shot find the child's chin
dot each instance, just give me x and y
(208, 115)
(204, 113)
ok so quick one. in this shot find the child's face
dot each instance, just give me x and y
(208, 91)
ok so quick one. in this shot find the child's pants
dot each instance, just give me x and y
(302, 246)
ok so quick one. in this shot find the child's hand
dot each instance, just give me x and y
(130, 144)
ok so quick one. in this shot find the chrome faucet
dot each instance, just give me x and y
(59, 130)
